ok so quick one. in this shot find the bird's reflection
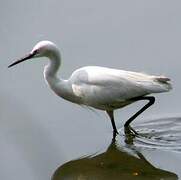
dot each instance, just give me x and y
(125, 162)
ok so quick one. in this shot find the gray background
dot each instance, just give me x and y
(38, 130)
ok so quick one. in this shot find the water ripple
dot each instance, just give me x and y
(162, 133)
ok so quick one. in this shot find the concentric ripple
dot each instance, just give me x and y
(163, 133)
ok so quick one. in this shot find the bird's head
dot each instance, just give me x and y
(41, 49)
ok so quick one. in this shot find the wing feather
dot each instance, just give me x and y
(105, 85)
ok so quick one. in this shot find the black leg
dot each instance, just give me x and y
(151, 102)
(111, 115)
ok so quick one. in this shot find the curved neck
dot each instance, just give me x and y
(50, 74)
(50, 70)
(59, 86)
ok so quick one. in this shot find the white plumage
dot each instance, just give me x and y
(99, 87)
(102, 87)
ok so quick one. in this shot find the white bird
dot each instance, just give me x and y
(98, 87)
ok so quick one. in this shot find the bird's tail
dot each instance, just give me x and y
(164, 82)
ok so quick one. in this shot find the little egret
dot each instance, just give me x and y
(99, 87)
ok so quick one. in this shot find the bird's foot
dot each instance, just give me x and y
(130, 131)
(115, 133)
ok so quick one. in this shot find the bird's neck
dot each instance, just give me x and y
(59, 86)
(51, 69)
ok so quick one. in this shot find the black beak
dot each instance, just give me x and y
(29, 56)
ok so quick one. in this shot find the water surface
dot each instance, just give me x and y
(40, 133)
(125, 157)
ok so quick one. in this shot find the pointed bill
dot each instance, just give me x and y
(28, 56)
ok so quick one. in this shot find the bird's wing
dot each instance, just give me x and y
(110, 85)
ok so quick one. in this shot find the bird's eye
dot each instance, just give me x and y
(36, 51)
